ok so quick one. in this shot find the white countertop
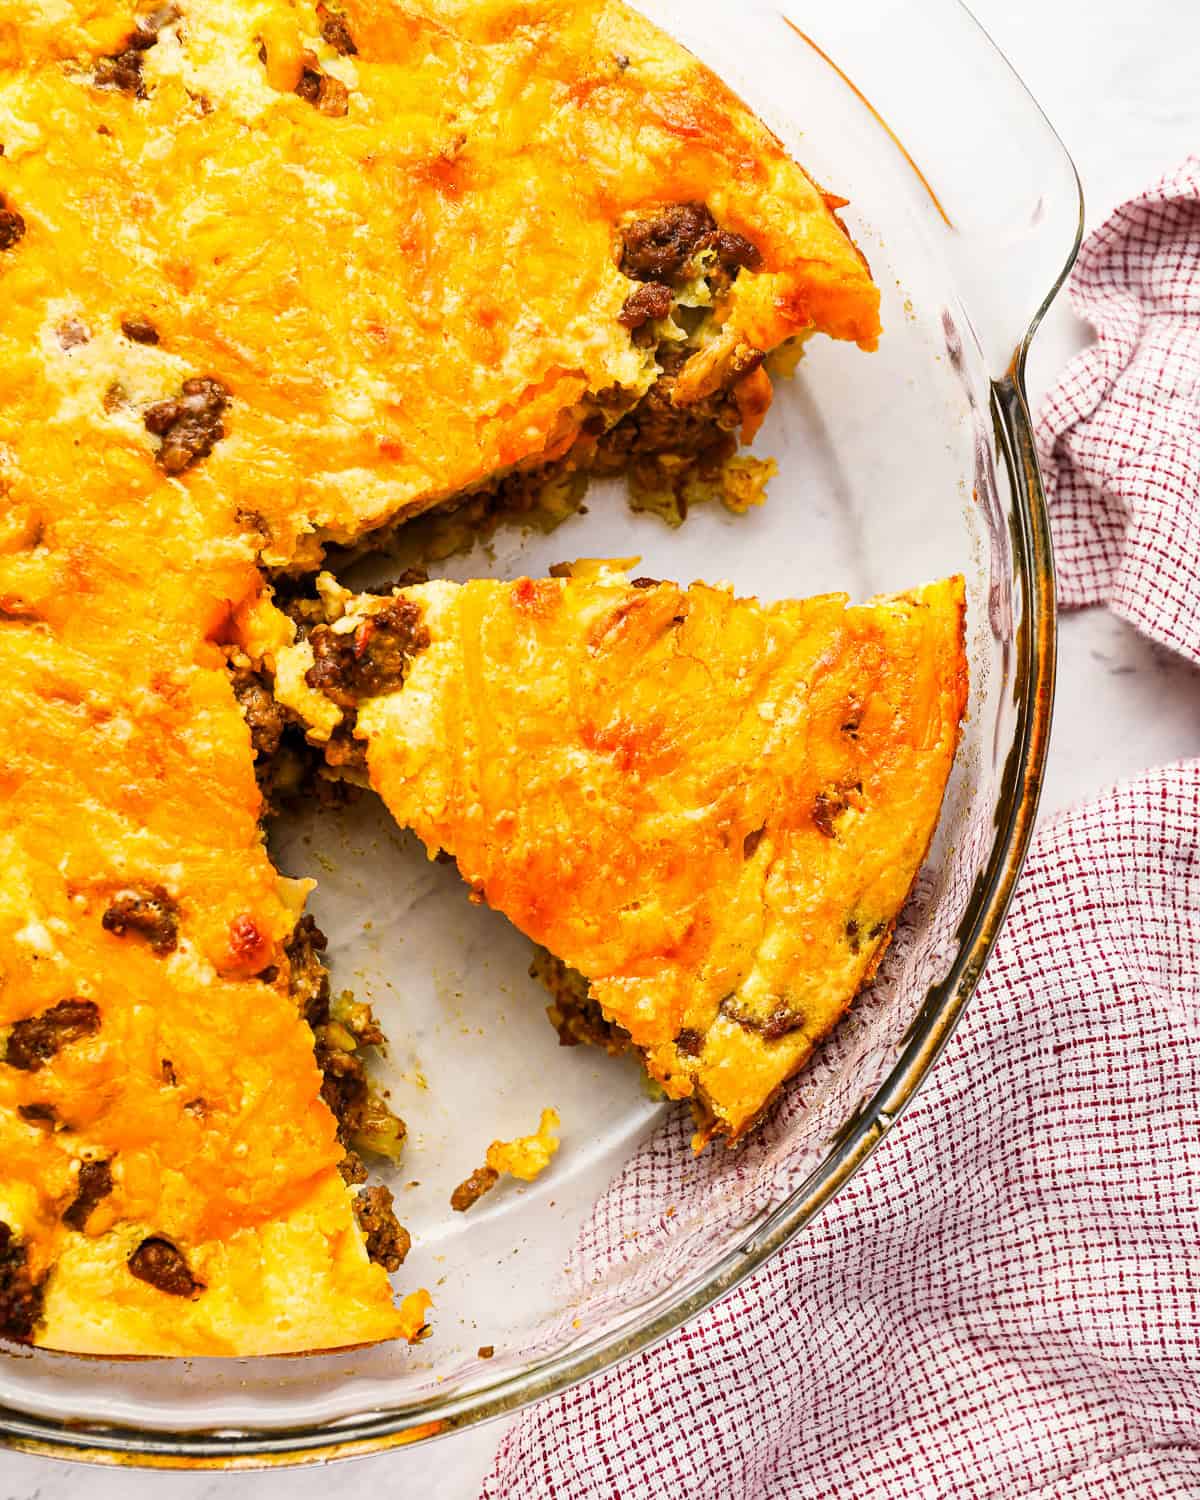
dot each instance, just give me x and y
(1120, 88)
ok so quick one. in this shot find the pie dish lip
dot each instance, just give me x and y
(377, 1432)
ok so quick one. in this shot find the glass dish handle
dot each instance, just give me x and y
(1009, 239)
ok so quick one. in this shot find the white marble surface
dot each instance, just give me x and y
(1118, 82)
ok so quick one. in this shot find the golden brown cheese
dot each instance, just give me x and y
(270, 276)
(710, 808)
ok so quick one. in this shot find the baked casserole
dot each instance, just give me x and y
(275, 278)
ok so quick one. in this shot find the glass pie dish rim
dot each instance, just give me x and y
(944, 1004)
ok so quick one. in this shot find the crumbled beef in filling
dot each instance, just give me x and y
(573, 1013)
(308, 979)
(160, 1263)
(148, 913)
(343, 1077)
(20, 1295)
(327, 94)
(734, 251)
(140, 330)
(659, 249)
(34, 1042)
(690, 1043)
(285, 764)
(648, 302)
(362, 1118)
(663, 247)
(345, 753)
(779, 1023)
(123, 71)
(467, 1194)
(370, 660)
(828, 806)
(388, 1242)
(343, 1088)
(95, 1183)
(335, 31)
(189, 424)
(643, 440)
(704, 430)
(45, 1116)
(352, 1169)
(266, 719)
(12, 225)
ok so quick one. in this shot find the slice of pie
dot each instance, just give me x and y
(710, 809)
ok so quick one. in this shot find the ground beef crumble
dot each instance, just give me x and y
(308, 978)
(343, 1088)
(335, 30)
(189, 424)
(388, 1242)
(266, 719)
(352, 1169)
(327, 94)
(149, 913)
(43, 1115)
(12, 225)
(650, 301)
(467, 1194)
(141, 330)
(20, 1295)
(662, 248)
(370, 660)
(122, 71)
(164, 1266)
(779, 1023)
(690, 1043)
(361, 1116)
(657, 428)
(95, 1183)
(33, 1042)
(573, 1013)
(659, 248)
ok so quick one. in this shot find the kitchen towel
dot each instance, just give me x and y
(1120, 435)
(1006, 1300)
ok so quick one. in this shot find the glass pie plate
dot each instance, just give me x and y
(894, 468)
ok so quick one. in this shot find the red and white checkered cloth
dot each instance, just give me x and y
(1006, 1300)
(1121, 434)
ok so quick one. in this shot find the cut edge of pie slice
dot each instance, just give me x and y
(711, 809)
